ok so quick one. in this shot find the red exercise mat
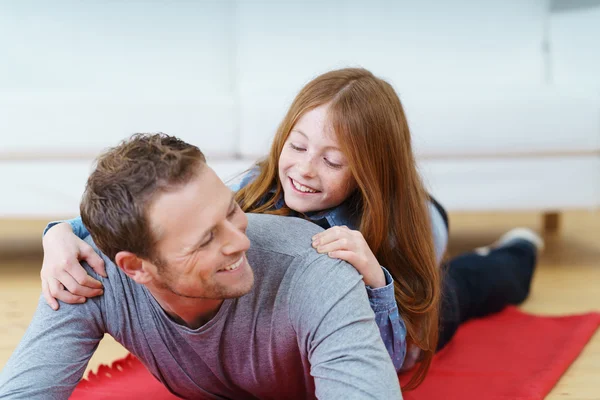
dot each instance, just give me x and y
(510, 355)
(124, 379)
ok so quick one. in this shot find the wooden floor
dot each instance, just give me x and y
(567, 281)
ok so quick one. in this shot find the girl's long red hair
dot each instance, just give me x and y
(372, 132)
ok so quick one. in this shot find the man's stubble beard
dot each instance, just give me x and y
(214, 292)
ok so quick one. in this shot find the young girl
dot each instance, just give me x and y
(342, 157)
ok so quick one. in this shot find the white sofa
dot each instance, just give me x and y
(501, 117)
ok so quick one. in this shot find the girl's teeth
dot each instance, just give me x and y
(303, 188)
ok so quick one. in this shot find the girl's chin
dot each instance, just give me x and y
(300, 206)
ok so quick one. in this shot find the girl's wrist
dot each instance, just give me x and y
(376, 280)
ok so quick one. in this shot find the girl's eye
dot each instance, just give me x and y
(332, 165)
(294, 147)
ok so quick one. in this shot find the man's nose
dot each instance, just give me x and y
(236, 239)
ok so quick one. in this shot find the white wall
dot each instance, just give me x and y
(82, 75)
(575, 47)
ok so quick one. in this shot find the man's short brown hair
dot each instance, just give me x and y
(124, 183)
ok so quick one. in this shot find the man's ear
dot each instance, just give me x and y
(133, 266)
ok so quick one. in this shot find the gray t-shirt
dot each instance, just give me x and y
(305, 330)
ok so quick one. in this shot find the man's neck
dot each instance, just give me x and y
(190, 312)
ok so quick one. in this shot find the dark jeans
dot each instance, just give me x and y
(475, 286)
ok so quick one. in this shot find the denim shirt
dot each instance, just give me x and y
(391, 326)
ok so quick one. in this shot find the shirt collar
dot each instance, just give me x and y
(344, 214)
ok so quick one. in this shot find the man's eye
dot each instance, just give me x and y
(236, 208)
(207, 241)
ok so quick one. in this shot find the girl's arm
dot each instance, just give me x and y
(391, 325)
(76, 224)
(439, 229)
(63, 278)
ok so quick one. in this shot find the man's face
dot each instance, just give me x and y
(201, 240)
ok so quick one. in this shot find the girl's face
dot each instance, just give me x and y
(313, 171)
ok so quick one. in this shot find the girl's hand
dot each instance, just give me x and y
(63, 278)
(349, 245)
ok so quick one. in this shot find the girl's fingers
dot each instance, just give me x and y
(47, 296)
(75, 288)
(94, 260)
(59, 292)
(330, 235)
(54, 286)
(81, 277)
(346, 255)
(339, 244)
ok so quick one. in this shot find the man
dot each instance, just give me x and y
(210, 315)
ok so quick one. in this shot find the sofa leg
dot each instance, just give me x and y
(551, 222)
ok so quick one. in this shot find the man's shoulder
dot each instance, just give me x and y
(285, 243)
(286, 235)
(118, 285)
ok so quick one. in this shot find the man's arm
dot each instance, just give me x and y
(332, 316)
(53, 354)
